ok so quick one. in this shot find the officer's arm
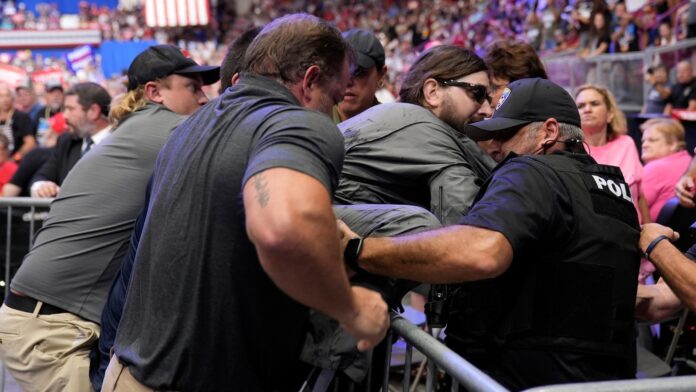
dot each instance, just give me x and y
(448, 255)
(291, 223)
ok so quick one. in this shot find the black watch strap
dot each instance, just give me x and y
(352, 252)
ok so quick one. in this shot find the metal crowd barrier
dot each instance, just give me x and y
(9, 203)
(667, 384)
(462, 372)
(622, 73)
(20, 202)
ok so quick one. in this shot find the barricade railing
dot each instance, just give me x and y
(438, 355)
(9, 203)
(666, 384)
(19, 202)
(622, 73)
(441, 359)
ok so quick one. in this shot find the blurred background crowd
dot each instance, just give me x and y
(588, 28)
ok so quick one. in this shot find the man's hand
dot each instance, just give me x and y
(370, 321)
(685, 191)
(344, 234)
(651, 231)
(44, 189)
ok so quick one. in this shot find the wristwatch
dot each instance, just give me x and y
(351, 253)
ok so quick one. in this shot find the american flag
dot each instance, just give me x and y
(172, 13)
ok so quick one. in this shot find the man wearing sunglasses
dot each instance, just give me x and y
(552, 241)
(414, 152)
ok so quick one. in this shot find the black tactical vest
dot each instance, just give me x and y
(577, 295)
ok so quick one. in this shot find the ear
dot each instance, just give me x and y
(382, 76)
(152, 92)
(93, 112)
(432, 95)
(550, 129)
(310, 81)
(235, 78)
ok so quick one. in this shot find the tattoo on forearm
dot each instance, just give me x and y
(261, 186)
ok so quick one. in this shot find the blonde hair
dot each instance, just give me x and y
(132, 101)
(127, 104)
(618, 125)
(671, 129)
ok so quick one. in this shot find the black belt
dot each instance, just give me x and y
(28, 304)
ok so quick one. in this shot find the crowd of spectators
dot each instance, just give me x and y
(405, 27)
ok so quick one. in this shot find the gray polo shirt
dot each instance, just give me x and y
(80, 247)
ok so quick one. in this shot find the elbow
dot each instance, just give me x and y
(270, 237)
(492, 267)
(481, 268)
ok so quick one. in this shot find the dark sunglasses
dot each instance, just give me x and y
(478, 93)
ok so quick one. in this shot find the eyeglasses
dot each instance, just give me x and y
(478, 92)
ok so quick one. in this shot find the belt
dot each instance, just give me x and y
(28, 304)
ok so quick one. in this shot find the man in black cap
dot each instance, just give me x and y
(366, 75)
(552, 236)
(50, 319)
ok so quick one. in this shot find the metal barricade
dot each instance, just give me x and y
(441, 358)
(438, 355)
(19, 202)
(622, 73)
(10, 203)
(668, 384)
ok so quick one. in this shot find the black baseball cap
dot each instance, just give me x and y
(163, 60)
(369, 52)
(525, 101)
(53, 85)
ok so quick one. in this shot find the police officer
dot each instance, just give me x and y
(552, 235)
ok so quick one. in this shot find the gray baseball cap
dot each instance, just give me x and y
(368, 50)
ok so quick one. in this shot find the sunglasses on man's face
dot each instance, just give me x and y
(478, 92)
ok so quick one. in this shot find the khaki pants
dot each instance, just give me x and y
(119, 379)
(47, 352)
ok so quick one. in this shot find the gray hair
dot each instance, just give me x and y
(565, 131)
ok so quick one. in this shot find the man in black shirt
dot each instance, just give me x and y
(552, 238)
(683, 94)
(240, 236)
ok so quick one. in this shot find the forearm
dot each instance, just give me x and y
(677, 270)
(448, 255)
(656, 302)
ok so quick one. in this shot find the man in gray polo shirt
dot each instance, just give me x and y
(50, 319)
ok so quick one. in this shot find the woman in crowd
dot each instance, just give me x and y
(665, 158)
(600, 36)
(15, 125)
(605, 130)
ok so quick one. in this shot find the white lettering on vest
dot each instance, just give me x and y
(619, 190)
